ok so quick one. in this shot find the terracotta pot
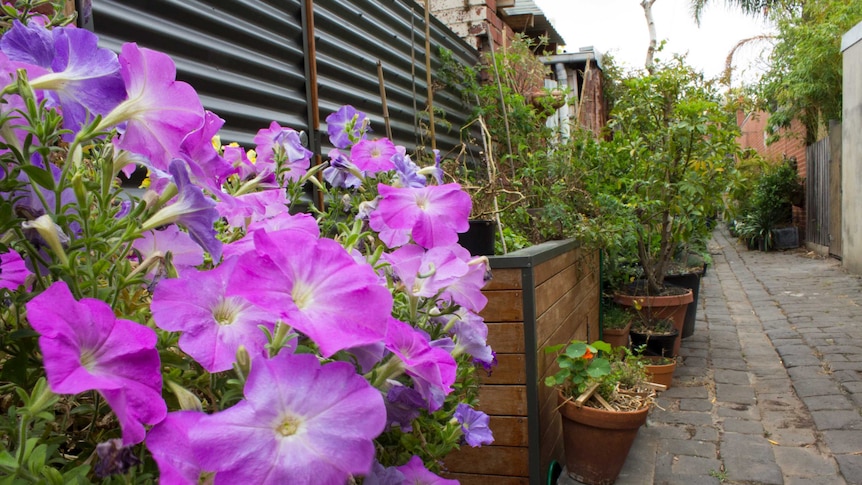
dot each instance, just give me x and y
(661, 373)
(617, 337)
(597, 442)
(660, 307)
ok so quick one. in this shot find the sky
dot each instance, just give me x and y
(619, 27)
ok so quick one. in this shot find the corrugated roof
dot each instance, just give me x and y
(541, 24)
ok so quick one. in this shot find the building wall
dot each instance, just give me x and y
(473, 19)
(851, 152)
(790, 145)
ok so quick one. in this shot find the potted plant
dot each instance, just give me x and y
(662, 172)
(660, 369)
(604, 396)
(616, 325)
(653, 335)
(523, 179)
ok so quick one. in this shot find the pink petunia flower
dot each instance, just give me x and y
(432, 369)
(466, 291)
(315, 286)
(86, 347)
(13, 270)
(285, 144)
(169, 444)
(432, 215)
(213, 320)
(426, 273)
(372, 156)
(300, 422)
(414, 471)
(159, 112)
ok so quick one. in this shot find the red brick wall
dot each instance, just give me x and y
(790, 145)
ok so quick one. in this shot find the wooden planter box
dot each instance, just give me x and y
(539, 296)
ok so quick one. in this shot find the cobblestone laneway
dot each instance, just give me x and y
(770, 390)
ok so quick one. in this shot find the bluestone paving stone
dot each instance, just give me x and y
(815, 387)
(804, 462)
(837, 419)
(851, 467)
(836, 401)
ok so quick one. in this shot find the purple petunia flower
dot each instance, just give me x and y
(82, 78)
(192, 210)
(213, 320)
(346, 126)
(159, 112)
(474, 425)
(437, 173)
(407, 170)
(471, 336)
(372, 156)
(403, 405)
(13, 270)
(432, 215)
(415, 473)
(185, 253)
(341, 172)
(169, 444)
(300, 422)
(86, 347)
(381, 475)
(432, 369)
(315, 286)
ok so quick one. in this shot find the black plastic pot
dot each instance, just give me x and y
(479, 239)
(692, 282)
(656, 344)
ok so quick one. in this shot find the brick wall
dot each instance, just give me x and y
(790, 145)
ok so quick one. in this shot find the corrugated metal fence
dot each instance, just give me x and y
(818, 158)
(255, 61)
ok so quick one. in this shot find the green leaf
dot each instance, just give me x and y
(576, 350)
(599, 367)
(42, 177)
(554, 348)
(7, 460)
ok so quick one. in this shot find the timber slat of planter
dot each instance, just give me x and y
(543, 295)
(503, 400)
(504, 279)
(492, 460)
(506, 337)
(504, 306)
(509, 430)
(470, 479)
(510, 369)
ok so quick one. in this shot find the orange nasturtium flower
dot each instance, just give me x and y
(588, 354)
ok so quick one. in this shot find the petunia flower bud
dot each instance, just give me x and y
(51, 233)
(187, 400)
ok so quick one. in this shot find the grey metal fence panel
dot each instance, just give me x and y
(817, 193)
(353, 36)
(246, 59)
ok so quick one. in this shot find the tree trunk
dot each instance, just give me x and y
(653, 42)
